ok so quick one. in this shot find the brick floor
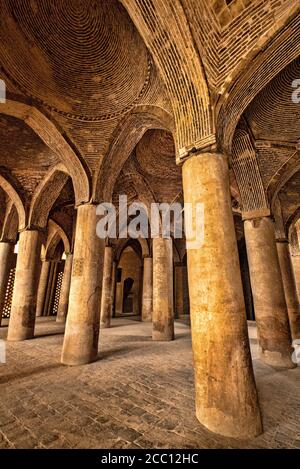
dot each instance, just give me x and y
(138, 394)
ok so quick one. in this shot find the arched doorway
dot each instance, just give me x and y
(129, 284)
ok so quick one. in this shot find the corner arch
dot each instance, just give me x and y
(126, 136)
(52, 137)
(16, 200)
(55, 235)
(275, 56)
(43, 199)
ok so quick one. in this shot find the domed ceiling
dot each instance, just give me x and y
(82, 58)
(154, 161)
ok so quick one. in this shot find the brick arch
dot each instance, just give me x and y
(55, 235)
(124, 243)
(10, 224)
(45, 196)
(254, 74)
(282, 176)
(125, 138)
(16, 200)
(53, 138)
(164, 27)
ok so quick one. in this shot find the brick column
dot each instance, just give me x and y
(226, 397)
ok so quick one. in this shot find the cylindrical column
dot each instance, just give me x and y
(147, 290)
(6, 253)
(106, 288)
(113, 288)
(63, 303)
(23, 307)
(82, 325)
(43, 282)
(179, 296)
(290, 289)
(271, 314)
(296, 269)
(163, 314)
(226, 397)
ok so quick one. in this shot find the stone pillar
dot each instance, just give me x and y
(24, 300)
(106, 288)
(42, 289)
(226, 397)
(296, 268)
(63, 303)
(179, 295)
(113, 288)
(147, 290)
(163, 314)
(119, 299)
(83, 319)
(290, 289)
(271, 314)
(6, 253)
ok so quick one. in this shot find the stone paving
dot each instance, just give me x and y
(139, 394)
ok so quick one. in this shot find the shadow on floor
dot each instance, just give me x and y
(25, 374)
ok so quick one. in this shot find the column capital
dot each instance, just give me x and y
(33, 228)
(259, 213)
(205, 145)
(206, 148)
(282, 240)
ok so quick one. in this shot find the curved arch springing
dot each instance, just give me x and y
(52, 137)
(55, 235)
(125, 138)
(44, 198)
(271, 60)
(16, 200)
(124, 243)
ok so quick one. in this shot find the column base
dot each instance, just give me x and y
(80, 345)
(218, 422)
(61, 319)
(104, 325)
(18, 337)
(160, 333)
(277, 359)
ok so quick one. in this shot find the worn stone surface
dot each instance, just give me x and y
(23, 308)
(82, 326)
(6, 253)
(138, 393)
(147, 299)
(65, 290)
(268, 293)
(42, 288)
(290, 289)
(106, 297)
(218, 318)
(163, 307)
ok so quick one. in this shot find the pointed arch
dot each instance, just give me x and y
(164, 27)
(124, 243)
(10, 224)
(272, 59)
(15, 199)
(55, 235)
(53, 138)
(126, 136)
(43, 198)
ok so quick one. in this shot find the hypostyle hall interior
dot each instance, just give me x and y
(183, 112)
